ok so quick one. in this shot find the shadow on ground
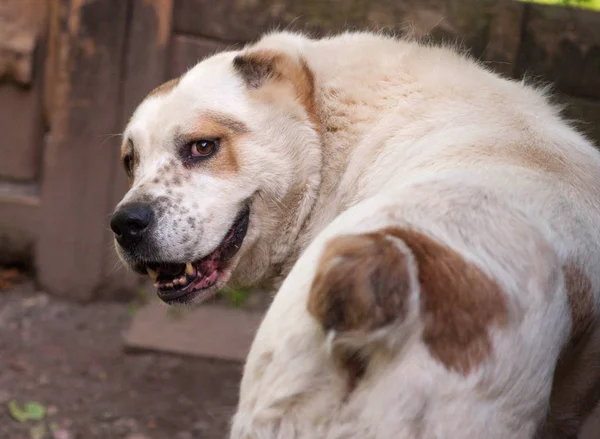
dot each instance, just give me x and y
(70, 358)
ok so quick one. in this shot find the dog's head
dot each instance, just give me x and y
(224, 165)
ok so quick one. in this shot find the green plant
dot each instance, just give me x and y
(235, 297)
(586, 4)
(31, 411)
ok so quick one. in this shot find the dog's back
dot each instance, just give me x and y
(458, 290)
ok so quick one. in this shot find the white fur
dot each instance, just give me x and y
(412, 136)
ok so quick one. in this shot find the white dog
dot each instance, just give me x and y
(437, 226)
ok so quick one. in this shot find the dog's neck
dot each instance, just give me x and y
(326, 203)
(344, 121)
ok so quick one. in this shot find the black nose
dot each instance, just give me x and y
(130, 222)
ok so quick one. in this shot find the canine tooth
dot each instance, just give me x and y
(153, 274)
(176, 281)
(189, 268)
(182, 280)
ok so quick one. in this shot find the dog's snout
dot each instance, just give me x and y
(130, 222)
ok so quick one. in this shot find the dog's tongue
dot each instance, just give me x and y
(207, 279)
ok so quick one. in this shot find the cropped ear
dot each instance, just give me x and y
(257, 67)
(266, 68)
(363, 283)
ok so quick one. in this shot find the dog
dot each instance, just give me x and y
(432, 229)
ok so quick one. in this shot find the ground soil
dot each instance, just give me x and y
(70, 358)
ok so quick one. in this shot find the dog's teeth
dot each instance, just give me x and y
(153, 274)
(189, 269)
(182, 280)
(176, 281)
(169, 285)
(156, 284)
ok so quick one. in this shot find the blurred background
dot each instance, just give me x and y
(85, 349)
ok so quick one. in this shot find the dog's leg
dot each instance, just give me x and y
(492, 334)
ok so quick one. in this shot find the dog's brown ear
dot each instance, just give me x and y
(257, 67)
(263, 68)
(363, 283)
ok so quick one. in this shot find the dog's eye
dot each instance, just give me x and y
(128, 163)
(203, 147)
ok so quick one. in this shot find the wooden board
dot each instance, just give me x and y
(145, 60)
(562, 46)
(76, 178)
(243, 20)
(210, 331)
(22, 132)
(591, 429)
(187, 51)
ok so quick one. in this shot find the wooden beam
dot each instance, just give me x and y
(77, 169)
(145, 67)
(210, 331)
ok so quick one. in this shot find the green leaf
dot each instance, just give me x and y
(31, 411)
(35, 411)
(236, 298)
(17, 412)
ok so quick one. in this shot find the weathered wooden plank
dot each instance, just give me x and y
(467, 21)
(22, 22)
(19, 215)
(586, 113)
(21, 125)
(20, 212)
(591, 429)
(187, 51)
(16, 246)
(504, 38)
(147, 51)
(208, 331)
(145, 67)
(562, 45)
(77, 177)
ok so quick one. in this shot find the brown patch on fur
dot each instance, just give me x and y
(164, 88)
(538, 158)
(261, 67)
(576, 383)
(458, 303)
(233, 125)
(355, 364)
(530, 157)
(581, 300)
(362, 283)
(256, 68)
(228, 130)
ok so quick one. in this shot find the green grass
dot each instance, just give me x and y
(235, 298)
(594, 5)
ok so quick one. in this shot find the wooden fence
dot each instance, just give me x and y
(72, 71)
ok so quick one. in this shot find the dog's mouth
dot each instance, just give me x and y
(199, 280)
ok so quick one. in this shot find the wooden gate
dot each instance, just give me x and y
(72, 71)
(64, 98)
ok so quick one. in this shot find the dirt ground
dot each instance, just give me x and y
(70, 358)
